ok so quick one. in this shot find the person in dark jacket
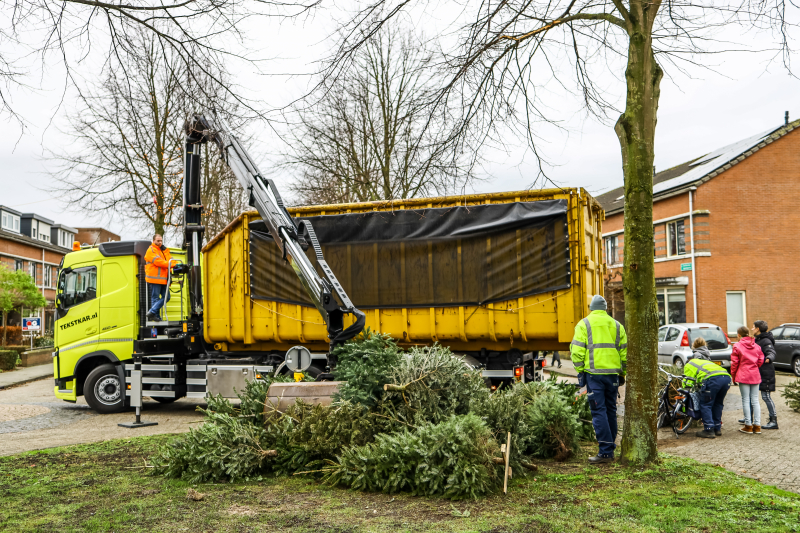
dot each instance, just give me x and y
(700, 349)
(764, 339)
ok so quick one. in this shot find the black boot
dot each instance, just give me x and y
(772, 424)
(151, 317)
(706, 434)
(741, 420)
(599, 459)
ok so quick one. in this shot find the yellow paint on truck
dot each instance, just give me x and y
(544, 321)
(101, 313)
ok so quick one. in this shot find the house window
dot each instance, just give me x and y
(10, 222)
(611, 250)
(48, 276)
(737, 310)
(676, 238)
(65, 239)
(32, 270)
(17, 264)
(33, 230)
(671, 306)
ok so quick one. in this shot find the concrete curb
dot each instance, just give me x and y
(24, 375)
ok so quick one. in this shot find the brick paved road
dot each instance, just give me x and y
(773, 457)
(31, 418)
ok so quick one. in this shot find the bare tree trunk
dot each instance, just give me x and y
(636, 131)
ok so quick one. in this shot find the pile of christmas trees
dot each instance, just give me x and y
(419, 421)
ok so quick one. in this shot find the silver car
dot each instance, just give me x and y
(675, 343)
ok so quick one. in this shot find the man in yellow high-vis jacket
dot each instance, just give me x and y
(599, 352)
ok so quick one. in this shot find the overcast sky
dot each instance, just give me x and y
(696, 116)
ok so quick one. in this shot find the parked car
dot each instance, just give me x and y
(787, 347)
(675, 343)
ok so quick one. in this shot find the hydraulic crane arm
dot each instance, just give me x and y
(290, 237)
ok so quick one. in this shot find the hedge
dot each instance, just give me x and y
(13, 335)
(8, 359)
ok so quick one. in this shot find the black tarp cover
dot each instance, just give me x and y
(433, 257)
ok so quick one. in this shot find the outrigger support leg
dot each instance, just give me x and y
(136, 396)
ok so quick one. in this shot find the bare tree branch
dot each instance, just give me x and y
(371, 135)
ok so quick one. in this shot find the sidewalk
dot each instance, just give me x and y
(566, 370)
(11, 378)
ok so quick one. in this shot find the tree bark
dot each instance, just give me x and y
(636, 131)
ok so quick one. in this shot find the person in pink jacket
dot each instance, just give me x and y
(746, 359)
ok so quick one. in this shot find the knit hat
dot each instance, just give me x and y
(598, 303)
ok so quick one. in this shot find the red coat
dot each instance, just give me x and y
(746, 359)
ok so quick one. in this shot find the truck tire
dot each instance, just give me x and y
(163, 400)
(104, 391)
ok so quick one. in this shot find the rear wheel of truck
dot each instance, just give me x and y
(104, 391)
(162, 399)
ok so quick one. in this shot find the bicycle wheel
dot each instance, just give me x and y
(681, 422)
(662, 417)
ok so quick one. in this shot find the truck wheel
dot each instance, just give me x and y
(104, 391)
(162, 399)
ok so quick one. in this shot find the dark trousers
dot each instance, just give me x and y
(712, 396)
(159, 295)
(765, 395)
(556, 357)
(602, 396)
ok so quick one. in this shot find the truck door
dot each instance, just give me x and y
(118, 304)
(77, 323)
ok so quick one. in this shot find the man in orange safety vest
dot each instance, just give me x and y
(156, 273)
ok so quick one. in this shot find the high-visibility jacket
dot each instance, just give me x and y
(701, 370)
(156, 265)
(600, 345)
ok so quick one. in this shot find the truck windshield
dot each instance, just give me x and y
(714, 337)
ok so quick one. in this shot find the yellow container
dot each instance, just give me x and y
(235, 322)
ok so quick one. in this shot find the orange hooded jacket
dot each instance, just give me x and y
(156, 265)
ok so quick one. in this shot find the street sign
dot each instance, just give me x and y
(685, 267)
(33, 323)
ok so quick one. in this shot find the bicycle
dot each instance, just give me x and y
(684, 411)
(665, 403)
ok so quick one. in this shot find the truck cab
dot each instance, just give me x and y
(100, 307)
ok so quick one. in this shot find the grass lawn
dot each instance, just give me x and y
(105, 487)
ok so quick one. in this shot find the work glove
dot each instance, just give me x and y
(621, 380)
(163, 247)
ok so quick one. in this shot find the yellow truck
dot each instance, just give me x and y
(496, 277)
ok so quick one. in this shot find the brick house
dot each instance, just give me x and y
(95, 236)
(36, 245)
(726, 245)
